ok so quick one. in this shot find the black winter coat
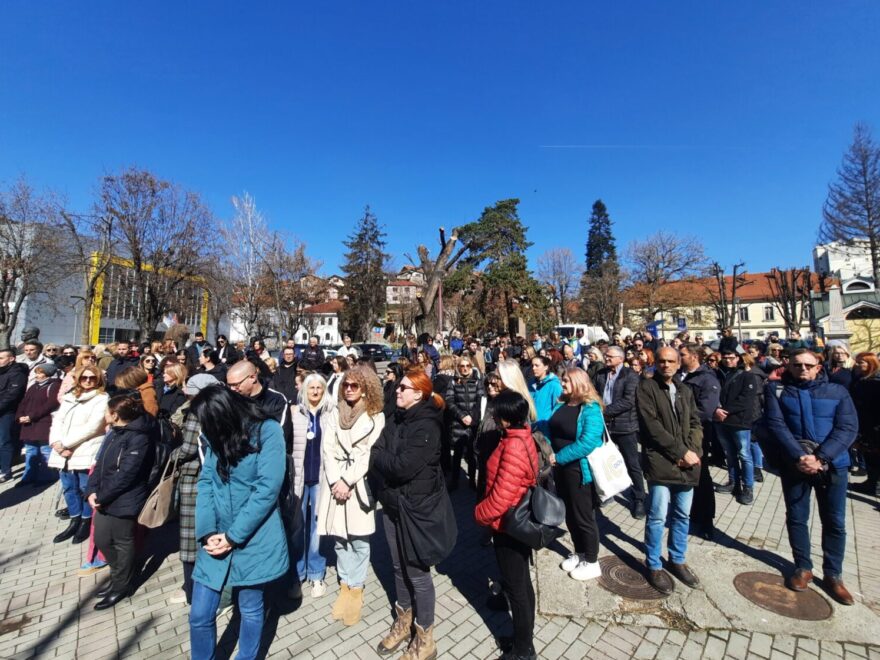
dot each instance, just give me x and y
(13, 383)
(866, 398)
(621, 415)
(740, 391)
(462, 399)
(706, 389)
(284, 381)
(116, 365)
(312, 359)
(405, 461)
(667, 435)
(169, 401)
(122, 470)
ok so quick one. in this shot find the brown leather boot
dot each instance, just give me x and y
(401, 631)
(835, 588)
(353, 606)
(422, 646)
(799, 580)
(341, 602)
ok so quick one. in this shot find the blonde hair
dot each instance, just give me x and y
(447, 362)
(81, 358)
(272, 363)
(512, 377)
(582, 390)
(371, 387)
(178, 372)
(99, 383)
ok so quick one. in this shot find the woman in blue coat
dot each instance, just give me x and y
(238, 523)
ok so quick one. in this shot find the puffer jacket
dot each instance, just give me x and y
(13, 383)
(667, 434)
(813, 410)
(545, 393)
(405, 461)
(510, 472)
(78, 424)
(589, 437)
(119, 480)
(463, 398)
(300, 419)
(621, 414)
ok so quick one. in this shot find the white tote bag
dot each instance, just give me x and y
(610, 476)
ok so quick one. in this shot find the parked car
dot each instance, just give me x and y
(376, 352)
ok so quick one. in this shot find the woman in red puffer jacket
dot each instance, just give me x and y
(511, 470)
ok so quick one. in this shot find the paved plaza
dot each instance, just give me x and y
(47, 608)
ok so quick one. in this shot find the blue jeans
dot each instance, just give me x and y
(353, 560)
(757, 455)
(36, 464)
(737, 444)
(74, 483)
(8, 443)
(831, 500)
(310, 565)
(203, 621)
(672, 503)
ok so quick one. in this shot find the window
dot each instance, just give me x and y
(769, 313)
(327, 336)
(697, 315)
(305, 337)
(744, 314)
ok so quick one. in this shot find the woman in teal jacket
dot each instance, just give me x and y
(238, 523)
(545, 390)
(575, 430)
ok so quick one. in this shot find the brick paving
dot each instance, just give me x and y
(47, 608)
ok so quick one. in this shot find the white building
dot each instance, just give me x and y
(843, 261)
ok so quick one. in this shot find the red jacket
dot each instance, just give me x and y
(510, 472)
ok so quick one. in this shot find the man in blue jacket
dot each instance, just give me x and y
(814, 423)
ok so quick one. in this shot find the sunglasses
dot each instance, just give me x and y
(149, 362)
(404, 388)
(88, 379)
(348, 385)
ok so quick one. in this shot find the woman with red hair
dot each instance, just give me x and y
(405, 464)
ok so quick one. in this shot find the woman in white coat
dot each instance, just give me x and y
(345, 504)
(77, 432)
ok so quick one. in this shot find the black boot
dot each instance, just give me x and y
(759, 475)
(82, 532)
(72, 526)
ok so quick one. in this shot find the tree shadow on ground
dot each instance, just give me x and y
(16, 495)
(158, 545)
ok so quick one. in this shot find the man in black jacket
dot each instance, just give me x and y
(243, 378)
(671, 439)
(312, 358)
(617, 385)
(284, 380)
(122, 360)
(738, 408)
(194, 350)
(209, 363)
(13, 383)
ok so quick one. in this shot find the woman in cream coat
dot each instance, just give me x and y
(345, 504)
(76, 435)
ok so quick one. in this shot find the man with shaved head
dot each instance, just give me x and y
(244, 378)
(672, 438)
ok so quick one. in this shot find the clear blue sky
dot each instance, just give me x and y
(722, 119)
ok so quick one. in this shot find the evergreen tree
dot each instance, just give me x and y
(365, 280)
(600, 241)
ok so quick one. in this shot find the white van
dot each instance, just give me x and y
(592, 333)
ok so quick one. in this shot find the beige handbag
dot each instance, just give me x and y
(159, 507)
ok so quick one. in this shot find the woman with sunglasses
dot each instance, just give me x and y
(85, 357)
(150, 364)
(345, 505)
(463, 397)
(75, 437)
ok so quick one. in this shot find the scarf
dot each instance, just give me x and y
(348, 414)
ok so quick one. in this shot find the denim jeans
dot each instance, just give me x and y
(8, 443)
(353, 560)
(310, 565)
(757, 455)
(737, 444)
(36, 464)
(664, 503)
(831, 500)
(74, 483)
(203, 621)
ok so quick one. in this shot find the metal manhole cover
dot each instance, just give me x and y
(619, 578)
(768, 590)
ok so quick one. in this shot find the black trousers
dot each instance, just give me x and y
(580, 510)
(513, 562)
(114, 537)
(703, 505)
(628, 444)
(414, 585)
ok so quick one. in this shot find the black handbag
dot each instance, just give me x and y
(427, 530)
(536, 519)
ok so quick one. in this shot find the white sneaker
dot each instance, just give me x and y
(318, 588)
(571, 562)
(586, 571)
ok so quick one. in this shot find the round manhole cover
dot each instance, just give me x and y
(623, 580)
(768, 590)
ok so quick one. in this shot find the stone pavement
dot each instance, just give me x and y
(47, 608)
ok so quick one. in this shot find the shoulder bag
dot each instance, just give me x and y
(159, 507)
(428, 530)
(610, 476)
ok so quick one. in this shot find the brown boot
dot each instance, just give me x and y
(341, 602)
(353, 605)
(834, 586)
(422, 646)
(800, 580)
(401, 631)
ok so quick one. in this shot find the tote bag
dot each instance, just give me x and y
(428, 530)
(610, 476)
(159, 507)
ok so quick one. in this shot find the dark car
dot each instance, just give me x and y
(376, 352)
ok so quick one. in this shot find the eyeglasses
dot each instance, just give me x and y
(149, 362)
(88, 379)
(348, 385)
(238, 384)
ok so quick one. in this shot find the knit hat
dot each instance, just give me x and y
(47, 368)
(837, 343)
(199, 382)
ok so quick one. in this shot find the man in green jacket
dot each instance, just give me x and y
(672, 438)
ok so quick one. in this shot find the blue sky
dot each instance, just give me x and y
(725, 120)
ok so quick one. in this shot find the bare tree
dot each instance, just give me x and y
(558, 269)
(790, 289)
(286, 270)
(30, 260)
(601, 296)
(656, 262)
(851, 213)
(723, 296)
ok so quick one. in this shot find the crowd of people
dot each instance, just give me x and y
(274, 456)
